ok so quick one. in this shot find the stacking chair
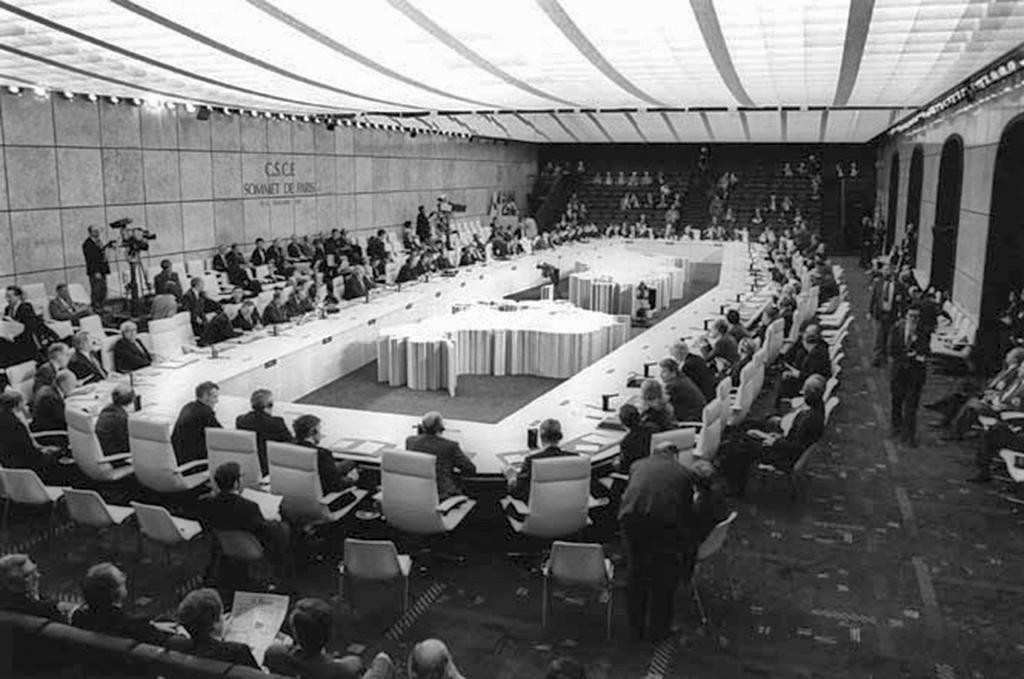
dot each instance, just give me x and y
(238, 547)
(409, 496)
(579, 564)
(153, 458)
(712, 545)
(711, 431)
(24, 487)
(159, 526)
(94, 326)
(164, 335)
(559, 499)
(235, 445)
(294, 475)
(86, 451)
(376, 560)
(86, 508)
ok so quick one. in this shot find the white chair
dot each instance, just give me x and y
(578, 564)
(712, 545)
(294, 475)
(159, 526)
(87, 453)
(559, 498)
(94, 326)
(409, 495)
(24, 487)
(78, 294)
(376, 560)
(22, 377)
(235, 445)
(684, 439)
(711, 431)
(153, 458)
(107, 351)
(163, 333)
(63, 329)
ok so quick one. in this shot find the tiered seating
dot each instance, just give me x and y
(603, 202)
(954, 338)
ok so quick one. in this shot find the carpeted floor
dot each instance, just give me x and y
(892, 566)
(480, 398)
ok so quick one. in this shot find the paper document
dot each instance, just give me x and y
(600, 438)
(585, 447)
(342, 444)
(368, 448)
(270, 504)
(255, 620)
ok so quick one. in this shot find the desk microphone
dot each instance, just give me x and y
(605, 399)
(647, 367)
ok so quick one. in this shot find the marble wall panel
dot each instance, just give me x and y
(80, 172)
(162, 175)
(123, 176)
(31, 177)
(27, 119)
(198, 229)
(77, 122)
(38, 242)
(196, 175)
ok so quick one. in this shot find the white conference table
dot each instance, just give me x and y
(306, 357)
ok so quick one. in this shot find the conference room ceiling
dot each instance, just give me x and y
(532, 70)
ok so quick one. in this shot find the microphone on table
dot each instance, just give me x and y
(647, 367)
(605, 400)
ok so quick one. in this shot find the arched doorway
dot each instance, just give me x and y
(1005, 248)
(914, 197)
(947, 213)
(894, 196)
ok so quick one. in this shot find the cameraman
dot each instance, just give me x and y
(96, 267)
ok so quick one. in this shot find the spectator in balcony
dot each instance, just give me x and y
(597, 180)
(201, 613)
(621, 180)
(105, 594)
(839, 171)
(854, 169)
(634, 181)
(645, 178)
(19, 588)
(608, 179)
(757, 219)
(787, 170)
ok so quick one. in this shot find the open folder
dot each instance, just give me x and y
(270, 505)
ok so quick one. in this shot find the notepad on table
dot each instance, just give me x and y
(368, 448)
(585, 448)
(600, 439)
(269, 504)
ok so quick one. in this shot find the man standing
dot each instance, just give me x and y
(909, 348)
(189, 435)
(882, 310)
(449, 455)
(96, 267)
(657, 516)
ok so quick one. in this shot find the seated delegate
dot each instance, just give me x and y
(449, 456)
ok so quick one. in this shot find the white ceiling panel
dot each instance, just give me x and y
(466, 57)
(803, 126)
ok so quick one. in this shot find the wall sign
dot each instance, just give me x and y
(278, 176)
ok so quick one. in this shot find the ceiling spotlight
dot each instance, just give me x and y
(93, 98)
(13, 89)
(137, 101)
(68, 95)
(170, 105)
(190, 108)
(39, 91)
(305, 119)
(114, 100)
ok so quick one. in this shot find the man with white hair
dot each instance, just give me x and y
(431, 659)
(129, 353)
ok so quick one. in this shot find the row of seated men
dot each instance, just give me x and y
(303, 647)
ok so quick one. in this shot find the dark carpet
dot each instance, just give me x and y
(481, 398)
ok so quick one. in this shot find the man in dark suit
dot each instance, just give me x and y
(198, 305)
(333, 475)
(129, 353)
(883, 308)
(96, 267)
(274, 313)
(189, 434)
(112, 422)
(19, 589)
(220, 260)
(17, 449)
(908, 347)
(449, 455)
(105, 593)
(85, 366)
(58, 358)
(806, 358)
(259, 254)
(228, 510)
(696, 368)
(48, 407)
(687, 400)
(25, 345)
(550, 434)
(657, 517)
(377, 253)
(267, 426)
(167, 280)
